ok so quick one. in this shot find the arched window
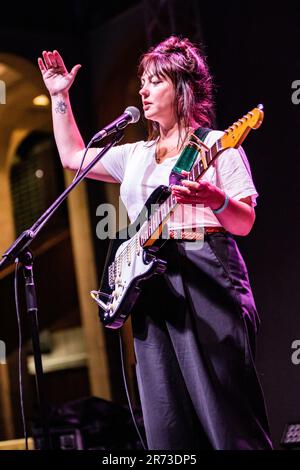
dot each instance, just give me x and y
(36, 180)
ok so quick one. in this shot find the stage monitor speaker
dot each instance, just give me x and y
(90, 423)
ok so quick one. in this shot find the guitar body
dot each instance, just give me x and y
(121, 281)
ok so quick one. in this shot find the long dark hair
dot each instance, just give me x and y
(182, 62)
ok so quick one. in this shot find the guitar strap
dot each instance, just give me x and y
(187, 157)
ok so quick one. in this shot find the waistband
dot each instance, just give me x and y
(194, 234)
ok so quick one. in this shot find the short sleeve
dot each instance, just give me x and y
(233, 175)
(115, 160)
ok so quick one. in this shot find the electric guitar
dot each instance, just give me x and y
(131, 262)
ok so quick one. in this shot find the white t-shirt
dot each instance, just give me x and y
(135, 167)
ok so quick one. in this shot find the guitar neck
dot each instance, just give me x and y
(232, 138)
(164, 211)
(206, 160)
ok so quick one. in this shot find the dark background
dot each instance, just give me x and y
(253, 53)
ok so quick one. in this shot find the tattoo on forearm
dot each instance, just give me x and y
(61, 107)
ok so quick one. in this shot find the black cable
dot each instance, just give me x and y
(120, 336)
(83, 158)
(127, 393)
(20, 355)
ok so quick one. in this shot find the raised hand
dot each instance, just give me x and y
(55, 74)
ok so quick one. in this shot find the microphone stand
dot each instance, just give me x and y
(18, 251)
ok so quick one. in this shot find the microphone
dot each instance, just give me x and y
(131, 114)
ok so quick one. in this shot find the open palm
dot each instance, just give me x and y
(55, 74)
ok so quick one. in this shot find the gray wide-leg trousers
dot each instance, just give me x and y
(194, 337)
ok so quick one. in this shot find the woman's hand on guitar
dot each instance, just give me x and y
(198, 192)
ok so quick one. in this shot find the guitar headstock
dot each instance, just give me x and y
(235, 134)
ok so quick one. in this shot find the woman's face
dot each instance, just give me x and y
(158, 97)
